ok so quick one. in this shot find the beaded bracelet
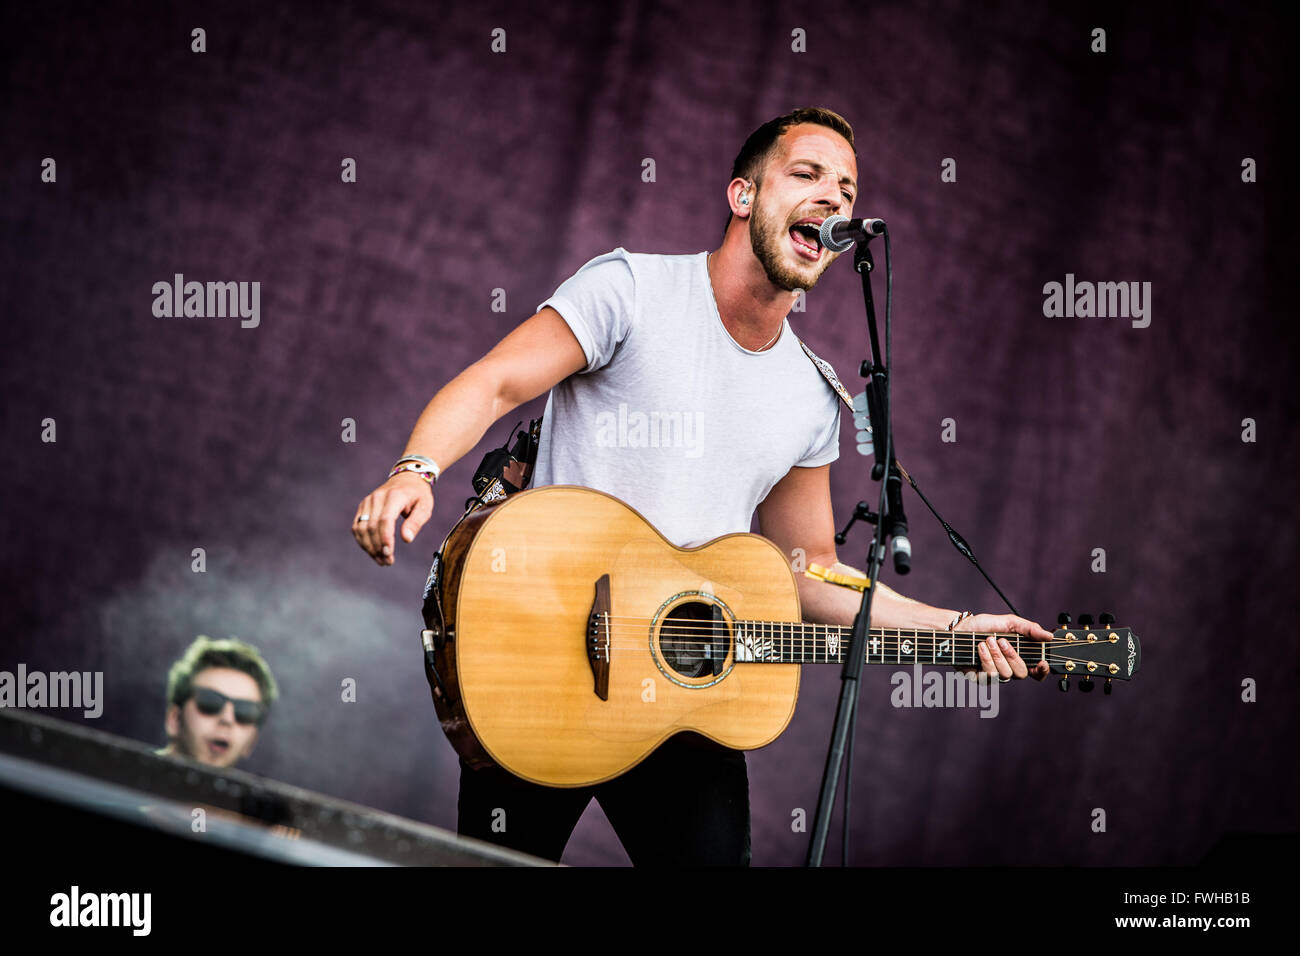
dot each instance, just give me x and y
(959, 618)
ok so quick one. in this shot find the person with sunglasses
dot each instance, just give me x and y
(218, 696)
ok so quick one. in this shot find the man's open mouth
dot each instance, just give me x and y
(806, 237)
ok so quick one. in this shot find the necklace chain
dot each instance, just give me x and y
(709, 258)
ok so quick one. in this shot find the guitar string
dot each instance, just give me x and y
(821, 649)
(921, 631)
(815, 658)
(878, 634)
(639, 646)
(959, 663)
(822, 637)
(821, 640)
(677, 629)
(755, 628)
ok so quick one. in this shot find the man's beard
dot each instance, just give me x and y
(767, 238)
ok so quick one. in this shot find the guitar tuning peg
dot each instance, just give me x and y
(1063, 619)
(1085, 620)
(1107, 619)
(1064, 684)
(1106, 687)
(1086, 685)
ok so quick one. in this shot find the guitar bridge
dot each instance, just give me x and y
(598, 638)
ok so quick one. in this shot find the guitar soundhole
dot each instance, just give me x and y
(691, 642)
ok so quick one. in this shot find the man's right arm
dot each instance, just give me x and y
(541, 352)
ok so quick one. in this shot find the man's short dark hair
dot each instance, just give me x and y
(753, 156)
(206, 653)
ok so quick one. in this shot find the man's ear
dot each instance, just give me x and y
(736, 190)
(172, 722)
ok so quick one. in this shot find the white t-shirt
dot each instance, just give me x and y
(671, 415)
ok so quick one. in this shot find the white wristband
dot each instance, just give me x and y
(419, 464)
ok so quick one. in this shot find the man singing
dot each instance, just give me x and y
(704, 335)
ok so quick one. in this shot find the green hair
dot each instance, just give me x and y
(206, 653)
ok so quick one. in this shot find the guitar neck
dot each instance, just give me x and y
(785, 642)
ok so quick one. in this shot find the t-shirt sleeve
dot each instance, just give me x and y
(598, 303)
(825, 447)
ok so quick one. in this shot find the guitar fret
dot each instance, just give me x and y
(775, 642)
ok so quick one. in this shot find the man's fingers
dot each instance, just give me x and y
(363, 525)
(993, 660)
(1033, 629)
(374, 536)
(1000, 658)
(394, 505)
(1019, 669)
(415, 520)
(1005, 658)
(375, 524)
(358, 526)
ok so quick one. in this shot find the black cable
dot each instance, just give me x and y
(957, 540)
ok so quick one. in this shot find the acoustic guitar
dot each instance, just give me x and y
(566, 638)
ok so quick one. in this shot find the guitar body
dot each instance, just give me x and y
(523, 660)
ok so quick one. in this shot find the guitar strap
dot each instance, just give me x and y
(828, 373)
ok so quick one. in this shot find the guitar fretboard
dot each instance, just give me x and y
(786, 642)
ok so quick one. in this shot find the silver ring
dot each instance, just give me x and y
(1003, 680)
(363, 517)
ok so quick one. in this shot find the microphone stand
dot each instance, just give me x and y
(889, 513)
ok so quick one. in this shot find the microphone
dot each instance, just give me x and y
(900, 545)
(839, 233)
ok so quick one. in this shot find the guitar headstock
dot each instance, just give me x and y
(1095, 653)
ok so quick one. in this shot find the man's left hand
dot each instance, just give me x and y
(998, 656)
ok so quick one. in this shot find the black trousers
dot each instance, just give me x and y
(687, 804)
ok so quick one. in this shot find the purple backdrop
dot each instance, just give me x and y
(479, 170)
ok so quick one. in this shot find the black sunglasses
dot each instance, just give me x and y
(212, 702)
